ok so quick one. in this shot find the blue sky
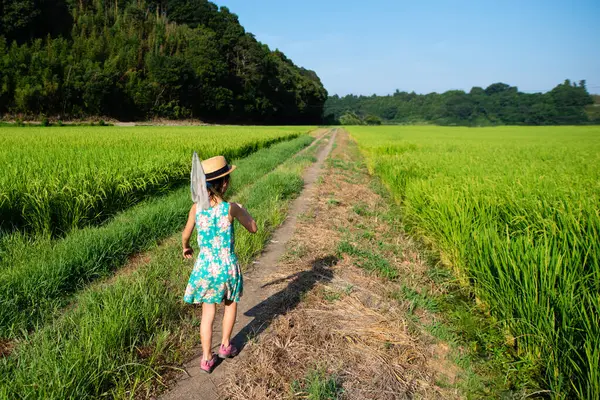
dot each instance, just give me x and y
(376, 46)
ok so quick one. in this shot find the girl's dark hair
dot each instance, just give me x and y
(216, 188)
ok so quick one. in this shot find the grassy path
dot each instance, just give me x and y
(197, 385)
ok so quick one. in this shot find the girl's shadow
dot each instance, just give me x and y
(285, 300)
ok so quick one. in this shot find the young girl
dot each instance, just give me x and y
(216, 276)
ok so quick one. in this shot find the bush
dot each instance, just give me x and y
(350, 119)
(373, 120)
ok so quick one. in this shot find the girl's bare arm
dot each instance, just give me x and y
(238, 212)
(187, 233)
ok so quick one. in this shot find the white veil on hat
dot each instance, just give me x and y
(198, 184)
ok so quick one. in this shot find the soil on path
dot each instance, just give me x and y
(260, 304)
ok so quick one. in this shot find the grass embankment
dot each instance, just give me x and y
(38, 278)
(515, 211)
(120, 334)
(433, 303)
(57, 179)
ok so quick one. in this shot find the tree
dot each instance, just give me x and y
(25, 20)
(372, 120)
(350, 119)
(497, 88)
(458, 107)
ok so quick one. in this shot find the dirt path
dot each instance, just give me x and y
(260, 304)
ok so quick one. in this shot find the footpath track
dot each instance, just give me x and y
(195, 384)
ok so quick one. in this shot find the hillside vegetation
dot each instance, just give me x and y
(136, 59)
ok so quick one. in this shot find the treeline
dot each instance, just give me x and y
(593, 110)
(498, 104)
(136, 59)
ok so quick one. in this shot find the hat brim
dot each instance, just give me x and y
(231, 169)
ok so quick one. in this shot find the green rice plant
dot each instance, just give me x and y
(55, 180)
(515, 210)
(116, 334)
(38, 278)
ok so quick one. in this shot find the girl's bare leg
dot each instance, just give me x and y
(206, 327)
(228, 321)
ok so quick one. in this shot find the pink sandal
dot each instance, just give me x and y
(208, 366)
(228, 352)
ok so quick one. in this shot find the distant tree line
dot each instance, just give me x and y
(593, 110)
(137, 59)
(498, 104)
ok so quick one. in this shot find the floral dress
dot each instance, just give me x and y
(216, 275)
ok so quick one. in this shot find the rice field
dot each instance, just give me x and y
(57, 179)
(516, 212)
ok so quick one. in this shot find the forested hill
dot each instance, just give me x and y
(499, 104)
(136, 59)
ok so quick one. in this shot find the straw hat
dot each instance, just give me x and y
(216, 167)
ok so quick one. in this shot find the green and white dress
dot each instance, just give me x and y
(216, 275)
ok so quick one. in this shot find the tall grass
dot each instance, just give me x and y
(57, 179)
(118, 334)
(516, 211)
(37, 279)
